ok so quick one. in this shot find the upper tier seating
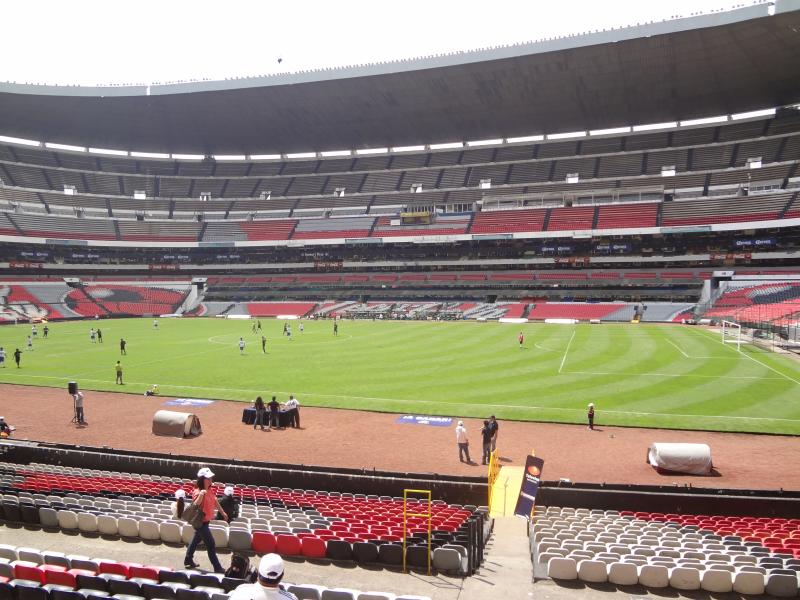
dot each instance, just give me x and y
(508, 221)
(725, 210)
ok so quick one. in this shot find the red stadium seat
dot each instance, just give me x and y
(58, 575)
(313, 548)
(114, 568)
(263, 542)
(144, 572)
(28, 571)
(288, 545)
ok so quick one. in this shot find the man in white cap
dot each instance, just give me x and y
(462, 441)
(270, 573)
(5, 428)
(229, 504)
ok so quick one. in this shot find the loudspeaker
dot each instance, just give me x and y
(72, 387)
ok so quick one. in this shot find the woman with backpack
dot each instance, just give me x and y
(205, 499)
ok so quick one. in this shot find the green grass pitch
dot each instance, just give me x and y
(644, 375)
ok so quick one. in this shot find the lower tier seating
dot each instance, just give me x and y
(686, 552)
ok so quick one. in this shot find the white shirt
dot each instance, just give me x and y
(241, 344)
(2, 354)
(256, 591)
(461, 434)
(78, 400)
(291, 403)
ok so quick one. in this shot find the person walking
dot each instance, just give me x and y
(118, 368)
(264, 344)
(241, 345)
(122, 345)
(205, 498)
(590, 415)
(463, 442)
(261, 413)
(17, 356)
(99, 336)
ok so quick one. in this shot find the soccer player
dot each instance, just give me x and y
(521, 339)
(155, 324)
(335, 328)
(264, 344)
(253, 329)
(289, 332)
(259, 324)
(2, 357)
(34, 333)
(99, 336)
(285, 325)
(302, 328)
(118, 368)
(17, 356)
(46, 330)
(241, 345)
(122, 344)
(30, 344)
(92, 335)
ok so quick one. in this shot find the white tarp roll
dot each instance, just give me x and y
(176, 424)
(694, 459)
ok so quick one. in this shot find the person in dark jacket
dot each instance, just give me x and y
(229, 504)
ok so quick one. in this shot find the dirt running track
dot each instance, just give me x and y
(343, 438)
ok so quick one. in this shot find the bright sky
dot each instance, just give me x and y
(87, 42)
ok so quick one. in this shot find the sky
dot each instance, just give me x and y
(90, 42)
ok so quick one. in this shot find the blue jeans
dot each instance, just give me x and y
(203, 534)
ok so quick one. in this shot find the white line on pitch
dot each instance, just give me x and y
(667, 375)
(418, 401)
(758, 362)
(678, 348)
(563, 360)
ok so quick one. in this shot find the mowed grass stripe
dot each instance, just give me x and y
(634, 373)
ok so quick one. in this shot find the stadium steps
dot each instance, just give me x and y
(171, 209)
(109, 210)
(11, 220)
(789, 175)
(785, 209)
(659, 213)
(468, 228)
(46, 205)
(595, 218)
(117, 233)
(546, 222)
(84, 293)
(202, 231)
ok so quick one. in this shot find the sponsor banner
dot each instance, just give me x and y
(328, 265)
(363, 240)
(730, 256)
(19, 264)
(499, 236)
(36, 254)
(188, 402)
(530, 485)
(56, 242)
(164, 267)
(758, 243)
(687, 229)
(424, 420)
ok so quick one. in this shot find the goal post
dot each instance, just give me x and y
(732, 334)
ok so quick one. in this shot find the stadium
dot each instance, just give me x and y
(606, 220)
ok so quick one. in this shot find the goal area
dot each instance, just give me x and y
(732, 334)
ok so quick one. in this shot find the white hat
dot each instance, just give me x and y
(2, 418)
(229, 490)
(179, 493)
(205, 472)
(591, 404)
(270, 567)
(461, 423)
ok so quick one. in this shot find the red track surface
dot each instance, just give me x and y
(343, 438)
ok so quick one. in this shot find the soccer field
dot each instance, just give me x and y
(644, 375)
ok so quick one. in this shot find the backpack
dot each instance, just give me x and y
(240, 567)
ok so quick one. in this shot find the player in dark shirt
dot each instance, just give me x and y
(486, 438)
(122, 344)
(17, 356)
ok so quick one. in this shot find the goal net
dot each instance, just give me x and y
(732, 334)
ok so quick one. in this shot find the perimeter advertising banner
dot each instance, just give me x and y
(530, 485)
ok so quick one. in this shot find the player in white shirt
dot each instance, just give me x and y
(155, 323)
(2, 357)
(302, 328)
(241, 345)
(30, 343)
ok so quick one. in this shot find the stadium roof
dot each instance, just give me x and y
(722, 63)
